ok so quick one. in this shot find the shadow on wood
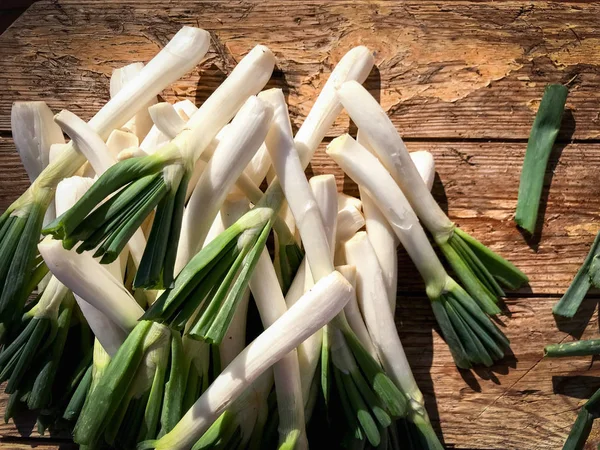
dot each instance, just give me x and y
(576, 386)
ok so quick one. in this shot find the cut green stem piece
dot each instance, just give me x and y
(583, 424)
(578, 348)
(587, 275)
(539, 146)
(471, 335)
(477, 267)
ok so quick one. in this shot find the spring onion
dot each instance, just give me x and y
(472, 337)
(541, 139)
(158, 180)
(589, 347)
(314, 310)
(35, 362)
(356, 367)
(21, 223)
(477, 267)
(371, 292)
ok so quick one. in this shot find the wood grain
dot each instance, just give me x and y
(445, 69)
(460, 79)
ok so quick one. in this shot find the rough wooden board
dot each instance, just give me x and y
(427, 65)
(445, 69)
(526, 402)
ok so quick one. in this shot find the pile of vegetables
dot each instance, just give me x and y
(151, 313)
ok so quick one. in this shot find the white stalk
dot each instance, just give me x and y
(425, 164)
(167, 119)
(140, 124)
(350, 220)
(88, 279)
(381, 235)
(248, 131)
(246, 80)
(34, 132)
(324, 190)
(108, 333)
(366, 170)
(309, 352)
(155, 138)
(259, 165)
(291, 177)
(120, 140)
(131, 152)
(353, 314)
(371, 292)
(309, 314)
(86, 140)
(345, 200)
(96, 151)
(183, 52)
(271, 306)
(354, 65)
(235, 338)
(383, 137)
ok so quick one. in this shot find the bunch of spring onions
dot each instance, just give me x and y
(161, 320)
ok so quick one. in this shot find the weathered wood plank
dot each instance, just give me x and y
(525, 402)
(445, 69)
(478, 184)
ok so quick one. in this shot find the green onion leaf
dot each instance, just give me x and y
(569, 303)
(541, 139)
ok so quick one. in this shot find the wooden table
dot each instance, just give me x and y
(460, 79)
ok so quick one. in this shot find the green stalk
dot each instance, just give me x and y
(587, 275)
(541, 139)
(76, 402)
(19, 264)
(579, 348)
(477, 267)
(583, 425)
(209, 287)
(41, 393)
(471, 335)
(129, 387)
